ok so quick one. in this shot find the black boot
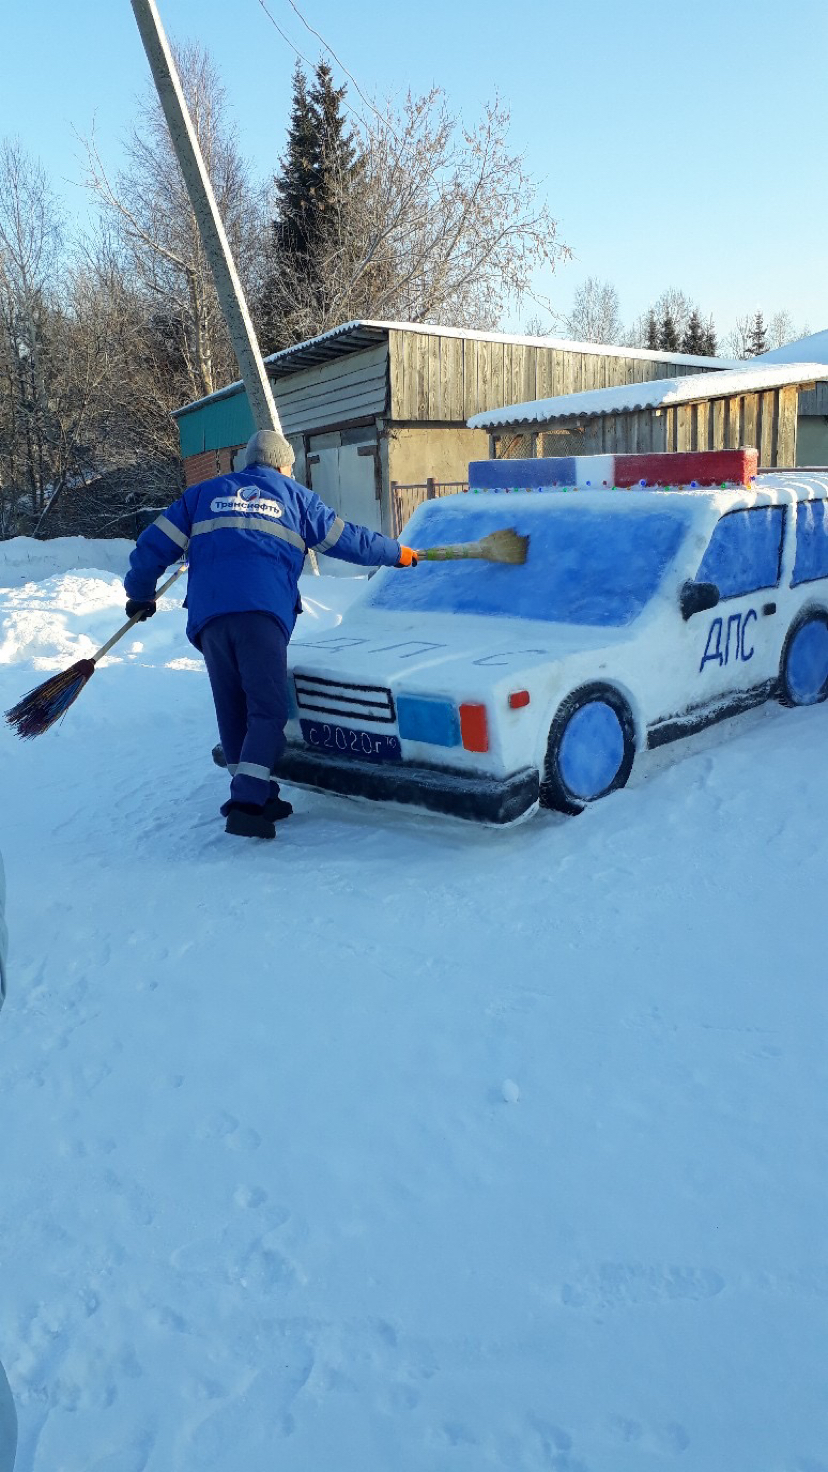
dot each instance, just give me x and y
(277, 808)
(248, 821)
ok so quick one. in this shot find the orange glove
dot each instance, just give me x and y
(408, 557)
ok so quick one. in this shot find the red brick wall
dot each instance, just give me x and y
(208, 464)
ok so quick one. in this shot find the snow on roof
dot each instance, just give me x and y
(811, 349)
(434, 329)
(658, 393)
(358, 335)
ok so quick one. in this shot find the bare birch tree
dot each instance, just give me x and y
(737, 342)
(29, 250)
(595, 316)
(52, 359)
(152, 221)
(435, 222)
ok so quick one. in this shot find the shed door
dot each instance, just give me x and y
(345, 480)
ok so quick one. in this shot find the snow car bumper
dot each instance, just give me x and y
(462, 795)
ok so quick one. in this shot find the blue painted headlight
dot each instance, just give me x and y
(423, 719)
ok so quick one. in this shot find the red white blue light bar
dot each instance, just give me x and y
(684, 468)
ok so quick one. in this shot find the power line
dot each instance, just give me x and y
(330, 51)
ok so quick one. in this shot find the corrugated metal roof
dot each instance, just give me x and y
(346, 388)
(658, 393)
(227, 421)
(354, 337)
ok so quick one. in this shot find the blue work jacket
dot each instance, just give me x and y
(245, 537)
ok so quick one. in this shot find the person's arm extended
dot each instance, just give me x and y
(164, 542)
(328, 533)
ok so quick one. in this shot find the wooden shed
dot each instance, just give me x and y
(812, 415)
(812, 426)
(732, 409)
(378, 412)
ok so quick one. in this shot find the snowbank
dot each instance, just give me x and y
(25, 560)
(65, 598)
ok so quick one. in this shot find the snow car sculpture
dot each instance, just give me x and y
(644, 611)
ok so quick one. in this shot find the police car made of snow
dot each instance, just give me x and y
(651, 604)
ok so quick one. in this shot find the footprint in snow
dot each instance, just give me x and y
(249, 1197)
(259, 1415)
(226, 1127)
(619, 1285)
(264, 1268)
(669, 1438)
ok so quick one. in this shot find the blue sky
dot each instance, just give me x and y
(679, 145)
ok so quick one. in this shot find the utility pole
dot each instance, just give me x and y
(211, 228)
(216, 245)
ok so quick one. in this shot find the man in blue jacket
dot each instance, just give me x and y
(245, 536)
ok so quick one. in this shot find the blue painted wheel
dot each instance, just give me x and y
(804, 674)
(591, 749)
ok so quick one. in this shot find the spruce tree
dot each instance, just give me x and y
(758, 341)
(335, 155)
(710, 346)
(667, 335)
(296, 183)
(693, 339)
(652, 332)
(319, 170)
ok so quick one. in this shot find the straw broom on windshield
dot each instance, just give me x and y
(504, 546)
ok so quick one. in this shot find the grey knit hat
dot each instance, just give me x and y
(268, 447)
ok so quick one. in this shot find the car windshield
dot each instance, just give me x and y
(584, 566)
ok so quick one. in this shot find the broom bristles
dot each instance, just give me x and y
(39, 710)
(504, 546)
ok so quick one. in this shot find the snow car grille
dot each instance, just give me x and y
(351, 702)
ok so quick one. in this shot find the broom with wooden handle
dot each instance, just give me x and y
(503, 546)
(39, 710)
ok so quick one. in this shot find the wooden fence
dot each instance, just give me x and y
(406, 498)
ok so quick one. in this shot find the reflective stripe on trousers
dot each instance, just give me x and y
(249, 769)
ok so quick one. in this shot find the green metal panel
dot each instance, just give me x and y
(214, 425)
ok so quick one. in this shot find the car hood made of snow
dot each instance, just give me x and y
(430, 651)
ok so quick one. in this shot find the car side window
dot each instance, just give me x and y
(811, 542)
(744, 553)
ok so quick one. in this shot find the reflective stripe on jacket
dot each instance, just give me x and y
(245, 536)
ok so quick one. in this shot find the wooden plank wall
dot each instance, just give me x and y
(447, 379)
(814, 400)
(765, 420)
(351, 387)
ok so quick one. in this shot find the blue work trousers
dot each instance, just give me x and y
(246, 658)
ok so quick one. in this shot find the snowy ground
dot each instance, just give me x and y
(398, 1145)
